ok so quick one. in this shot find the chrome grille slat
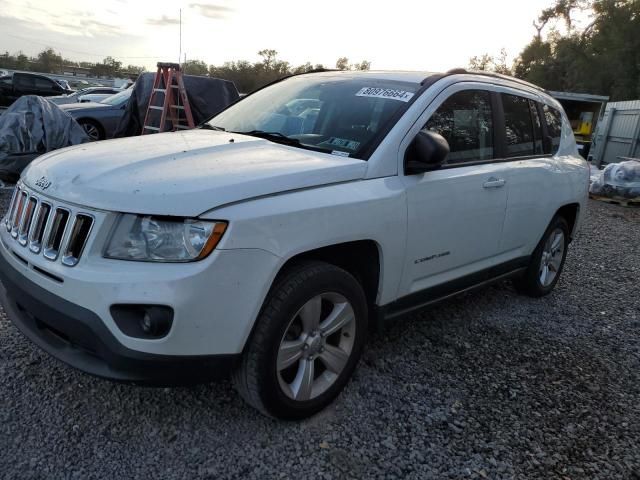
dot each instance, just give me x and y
(9, 218)
(48, 228)
(59, 224)
(27, 218)
(17, 217)
(77, 239)
(39, 226)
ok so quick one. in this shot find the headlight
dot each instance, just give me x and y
(163, 239)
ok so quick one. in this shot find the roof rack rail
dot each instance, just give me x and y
(459, 71)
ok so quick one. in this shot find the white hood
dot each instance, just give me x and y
(183, 173)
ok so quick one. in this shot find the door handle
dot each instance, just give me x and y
(494, 182)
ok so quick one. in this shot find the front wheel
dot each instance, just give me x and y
(306, 344)
(547, 260)
(92, 129)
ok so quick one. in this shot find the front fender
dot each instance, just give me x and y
(296, 222)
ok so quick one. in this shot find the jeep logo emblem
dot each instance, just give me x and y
(43, 183)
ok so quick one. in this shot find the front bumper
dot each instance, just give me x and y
(78, 337)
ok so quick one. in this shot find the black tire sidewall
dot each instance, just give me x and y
(331, 279)
(533, 273)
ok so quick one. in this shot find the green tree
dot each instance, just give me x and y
(342, 63)
(601, 58)
(196, 67)
(49, 61)
(491, 63)
(135, 69)
(363, 65)
(268, 57)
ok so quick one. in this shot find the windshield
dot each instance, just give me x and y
(79, 92)
(337, 114)
(118, 98)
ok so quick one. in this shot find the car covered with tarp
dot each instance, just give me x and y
(207, 97)
(30, 127)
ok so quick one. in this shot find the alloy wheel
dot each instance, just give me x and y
(316, 346)
(551, 259)
(92, 131)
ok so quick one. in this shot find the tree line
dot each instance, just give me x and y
(247, 76)
(50, 61)
(601, 57)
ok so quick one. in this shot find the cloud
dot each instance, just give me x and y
(162, 21)
(88, 28)
(216, 12)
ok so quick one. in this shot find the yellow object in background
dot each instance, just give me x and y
(585, 125)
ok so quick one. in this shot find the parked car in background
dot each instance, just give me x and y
(100, 119)
(3, 72)
(98, 96)
(268, 241)
(14, 86)
(90, 94)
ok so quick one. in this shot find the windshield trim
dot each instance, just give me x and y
(375, 141)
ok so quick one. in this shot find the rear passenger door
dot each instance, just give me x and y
(529, 147)
(456, 213)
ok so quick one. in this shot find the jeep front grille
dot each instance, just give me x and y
(44, 227)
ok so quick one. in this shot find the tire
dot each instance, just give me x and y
(552, 252)
(282, 331)
(93, 129)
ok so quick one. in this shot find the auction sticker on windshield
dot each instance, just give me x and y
(389, 93)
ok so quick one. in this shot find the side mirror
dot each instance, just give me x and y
(426, 152)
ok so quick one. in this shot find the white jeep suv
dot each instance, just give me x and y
(268, 241)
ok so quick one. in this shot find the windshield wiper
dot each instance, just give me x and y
(276, 137)
(207, 126)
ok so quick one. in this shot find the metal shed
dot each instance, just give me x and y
(584, 111)
(617, 137)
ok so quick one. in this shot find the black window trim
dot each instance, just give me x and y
(548, 139)
(499, 132)
(533, 105)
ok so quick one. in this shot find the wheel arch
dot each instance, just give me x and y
(361, 258)
(570, 213)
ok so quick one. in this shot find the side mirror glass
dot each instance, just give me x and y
(427, 152)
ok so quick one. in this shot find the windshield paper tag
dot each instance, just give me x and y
(340, 154)
(385, 93)
(341, 142)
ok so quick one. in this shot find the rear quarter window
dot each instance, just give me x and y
(553, 120)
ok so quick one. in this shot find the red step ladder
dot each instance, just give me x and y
(174, 106)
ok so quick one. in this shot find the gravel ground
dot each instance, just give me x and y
(489, 385)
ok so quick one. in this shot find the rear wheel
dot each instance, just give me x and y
(92, 129)
(547, 261)
(306, 343)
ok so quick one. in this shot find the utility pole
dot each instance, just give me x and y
(180, 52)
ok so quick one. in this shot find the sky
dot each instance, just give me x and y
(402, 35)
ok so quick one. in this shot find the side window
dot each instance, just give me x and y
(518, 125)
(23, 81)
(537, 128)
(465, 121)
(44, 84)
(553, 119)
